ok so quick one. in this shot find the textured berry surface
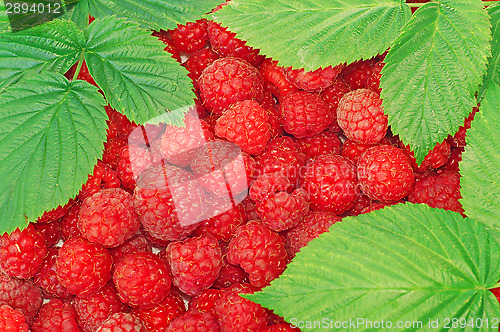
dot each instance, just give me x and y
(361, 117)
(326, 142)
(223, 225)
(138, 243)
(194, 321)
(21, 295)
(191, 36)
(352, 150)
(436, 158)
(134, 160)
(12, 320)
(358, 73)
(170, 47)
(69, 223)
(205, 300)
(51, 232)
(385, 173)
(458, 140)
(102, 178)
(56, 213)
(334, 93)
(56, 316)
(312, 81)
(122, 322)
(268, 184)
(275, 74)
(46, 277)
(158, 318)
(198, 61)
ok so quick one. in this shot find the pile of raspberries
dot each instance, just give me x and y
(175, 222)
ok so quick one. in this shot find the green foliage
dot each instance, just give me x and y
(51, 136)
(493, 74)
(403, 263)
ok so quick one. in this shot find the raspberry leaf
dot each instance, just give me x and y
(407, 262)
(4, 18)
(53, 46)
(137, 77)
(433, 70)
(480, 165)
(324, 32)
(51, 136)
(493, 74)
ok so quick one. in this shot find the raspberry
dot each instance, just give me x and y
(102, 178)
(259, 251)
(436, 158)
(205, 300)
(454, 159)
(144, 136)
(226, 44)
(227, 81)
(275, 74)
(12, 320)
(56, 316)
(236, 314)
(250, 209)
(385, 174)
(361, 117)
(46, 277)
(223, 225)
(325, 142)
(362, 201)
(304, 114)
(229, 274)
(158, 318)
(314, 224)
(373, 81)
(197, 63)
(69, 223)
(93, 309)
(22, 252)
(330, 181)
(142, 279)
(194, 321)
(108, 217)
(357, 74)
(168, 200)
(123, 125)
(376, 206)
(133, 161)
(82, 75)
(191, 36)
(313, 81)
(268, 184)
(440, 190)
(20, 295)
(194, 263)
(245, 123)
(56, 213)
(352, 150)
(458, 140)
(169, 44)
(281, 211)
(83, 267)
(138, 243)
(334, 93)
(282, 327)
(50, 231)
(274, 121)
(122, 322)
(111, 154)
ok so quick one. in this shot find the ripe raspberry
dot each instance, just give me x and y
(20, 295)
(259, 251)
(314, 224)
(56, 316)
(304, 114)
(223, 225)
(69, 227)
(123, 125)
(111, 154)
(330, 181)
(205, 300)
(46, 277)
(108, 217)
(361, 117)
(273, 113)
(245, 123)
(376, 206)
(102, 178)
(313, 81)
(138, 243)
(194, 321)
(169, 44)
(226, 44)
(458, 140)
(357, 74)
(133, 161)
(385, 174)
(159, 317)
(275, 74)
(194, 263)
(268, 184)
(326, 142)
(198, 61)
(362, 201)
(12, 320)
(334, 93)
(83, 267)
(454, 159)
(191, 36)
(352, 150)
(56, 213)
(436, 158)
(227, 81)
(142, 279)
(144, 136)
(168, 200)
(236, 314)
(373, 82)
(82, 75)
(51, 232)
(122, 322)
(282, 327)
(229, 274)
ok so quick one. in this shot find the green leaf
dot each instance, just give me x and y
(493, 74)
(137, 77)
(78, 12)
(403, 263)
(480, 165)
(52, 134)
(4, 19)
(316, 33)
(433, 71)
(53, 46)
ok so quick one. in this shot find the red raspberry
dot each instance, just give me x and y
(237, 314)
(22, 252)
(352, 150)
(170, 47)
(56, 213)
(205, 300)
(51, 232)
(358, 73)
(275, 74)
(274, 121)
(314, 224)
(268, 184)
(168, 200)
(46, 277)
(373, 82)
(326, 142)
(197, 63)
(108, 217)
(69, 227)
(82, 75)
(304, 114)
(227, 81)
(122, 322)
(20, 295)
(102, 178)
(226, 44)
(133, 161)
(334, 93)
(259, 251)
(361, 117)
(385, 174)
(56, 316)
(194, 321)
(223, 225)
(362, 201)
(229, 274)
(123, 125)
(376, 206)
(330, 181)
(436, 158)
(312, 81)
(458, 140)
(245, 123)
(12, 320)
(83, 267)
(191, 36)
(440, 190)
(282, 327)
(111, 154)
(138, 243)
(93, 309)
(142, 279)
(159, 317)
(145, 135)
(454, 159)
(194, 263)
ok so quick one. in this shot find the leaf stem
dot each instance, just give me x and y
(79, 67)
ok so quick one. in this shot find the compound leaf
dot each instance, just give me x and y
(493, 73)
